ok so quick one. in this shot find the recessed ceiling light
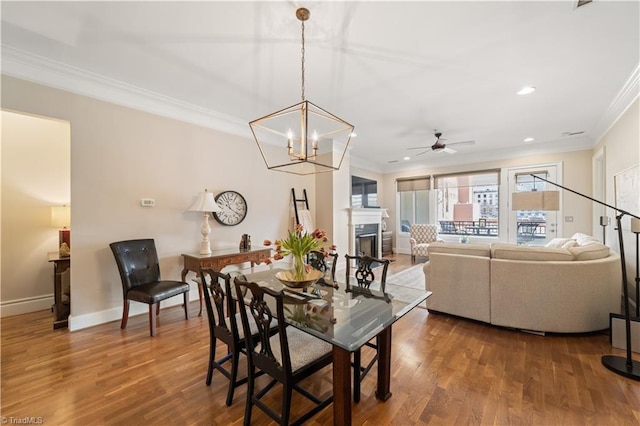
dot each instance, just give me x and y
(406, 158)
(529, 139)
(526, 90)
(354, 135)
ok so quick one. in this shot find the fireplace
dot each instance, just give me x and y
(367, 240)
(365, 231)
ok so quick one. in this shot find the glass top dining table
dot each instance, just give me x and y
(347, 318)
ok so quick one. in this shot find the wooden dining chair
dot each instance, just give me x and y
(225, 326)
(318, 260)
(139, 269)
(364, 277)
(288, 357)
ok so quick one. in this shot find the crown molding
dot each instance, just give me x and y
(27, 66)
(629, 92)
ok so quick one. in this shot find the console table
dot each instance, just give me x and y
(61, 308)
(220, 258)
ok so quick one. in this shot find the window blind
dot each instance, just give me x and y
(476, 178)
(413, 184)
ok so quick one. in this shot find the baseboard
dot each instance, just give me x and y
(26, 305)
(78, 322)
(618, 332)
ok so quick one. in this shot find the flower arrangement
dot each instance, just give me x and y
(298, 244)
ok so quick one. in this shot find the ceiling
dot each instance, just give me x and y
(396, 70)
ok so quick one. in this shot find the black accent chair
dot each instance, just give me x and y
(364, 276)
(139, 269)
(288, 357)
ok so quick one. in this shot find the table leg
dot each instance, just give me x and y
(383, 391)
(341, 386)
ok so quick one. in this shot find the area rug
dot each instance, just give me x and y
(399, 284)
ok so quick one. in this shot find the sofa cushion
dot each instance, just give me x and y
(585, 239)
(590, 252)
(483, 250)
(561, 243)
(521, 252)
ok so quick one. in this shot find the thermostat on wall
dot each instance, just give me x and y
(147, 202)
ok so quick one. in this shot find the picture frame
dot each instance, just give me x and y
(626, 188)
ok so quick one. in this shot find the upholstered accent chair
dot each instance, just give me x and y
(139, 269)
(421, 236)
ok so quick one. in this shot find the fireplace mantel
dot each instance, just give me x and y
(363, 216)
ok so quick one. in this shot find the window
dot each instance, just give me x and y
(414, 201)
(467, 203)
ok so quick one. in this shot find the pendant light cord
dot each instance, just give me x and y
(302, 51)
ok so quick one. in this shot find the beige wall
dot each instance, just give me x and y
(120, 155)
(35, 177)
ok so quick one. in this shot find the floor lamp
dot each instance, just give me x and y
(624, 366)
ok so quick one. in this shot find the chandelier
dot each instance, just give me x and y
(302, 139)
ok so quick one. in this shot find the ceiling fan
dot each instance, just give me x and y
(439, 146)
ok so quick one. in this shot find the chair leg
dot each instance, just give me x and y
(152, 320)
(287, 391)
(413, 259)
(212, 355)
(249, 405)
(235, 358)
(356, 375)
(158, 308)
(186, 305)
(125, 314)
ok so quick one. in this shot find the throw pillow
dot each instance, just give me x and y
(559, 242)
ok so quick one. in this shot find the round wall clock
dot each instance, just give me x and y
(234, 208)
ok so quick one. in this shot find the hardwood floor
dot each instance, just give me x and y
(445, 370)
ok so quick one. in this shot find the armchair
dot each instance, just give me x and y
(421, 236)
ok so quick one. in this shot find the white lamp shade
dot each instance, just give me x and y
(205, 203)
(635, 225)
(60, 216)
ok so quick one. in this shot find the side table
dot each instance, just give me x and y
(220, 258)
(61, 310)
(387, 243)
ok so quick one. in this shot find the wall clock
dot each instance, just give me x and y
(234, 208)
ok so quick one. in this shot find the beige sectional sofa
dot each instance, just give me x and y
(569, 288)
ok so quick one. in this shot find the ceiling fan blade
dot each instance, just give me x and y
(423, 152)
(463, 143)
(419, 147)
(449, 150)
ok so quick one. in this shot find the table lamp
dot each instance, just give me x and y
(205, 204)
(61, 218)
(384, 215)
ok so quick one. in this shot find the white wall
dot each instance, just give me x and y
(35, 177)
(119, 155)
(622, 149)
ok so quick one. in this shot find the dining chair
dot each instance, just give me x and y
(318, 260)
(225, 326)
(139, 269)
(288, 357)
(364, 277)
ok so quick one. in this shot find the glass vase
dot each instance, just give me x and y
(299, 267)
